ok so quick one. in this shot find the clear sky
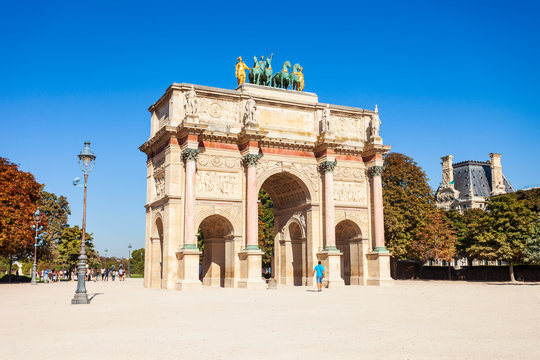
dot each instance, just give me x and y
(449, 77)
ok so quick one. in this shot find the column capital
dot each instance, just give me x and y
(190, 154)
(251, 159)
(376, 170)
(327, 166)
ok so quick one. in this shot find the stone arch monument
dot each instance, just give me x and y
(209, 153)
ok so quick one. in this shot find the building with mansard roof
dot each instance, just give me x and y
(468, 184)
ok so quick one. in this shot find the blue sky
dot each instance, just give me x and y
(449, 77)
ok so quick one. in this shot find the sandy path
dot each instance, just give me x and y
(413, 320)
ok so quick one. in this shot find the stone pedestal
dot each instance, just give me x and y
(188, 272)
(379, 269)
(331, 261)
(250, 269)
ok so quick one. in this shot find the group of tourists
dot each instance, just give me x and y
(53, 275)
(103, 274)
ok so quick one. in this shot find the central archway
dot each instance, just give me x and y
(293, 250)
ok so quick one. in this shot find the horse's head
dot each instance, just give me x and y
(296, 67)
(286, 65)
(255, 60)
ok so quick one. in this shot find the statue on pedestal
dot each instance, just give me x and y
(326, 120)
(375, 124)
(190, 105)
(249, 113)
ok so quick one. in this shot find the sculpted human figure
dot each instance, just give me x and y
(190, 105)
(326, 119)
(301, 79)
(249, 112)
(241, 67)
(375, 123)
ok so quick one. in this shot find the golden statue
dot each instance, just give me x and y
(301, 79)
(241, 67)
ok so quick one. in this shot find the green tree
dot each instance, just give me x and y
(266, 228)
(136, 263)
(19, 195)
(531, 253)
(408, 199)
(464, 226)
(69, 248)
(502, 233)
(56, 209)
(435, 239)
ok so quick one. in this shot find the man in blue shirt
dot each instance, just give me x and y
(319, 270)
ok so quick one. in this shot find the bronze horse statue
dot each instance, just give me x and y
(281, 79)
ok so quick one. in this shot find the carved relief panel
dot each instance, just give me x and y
(217, 183)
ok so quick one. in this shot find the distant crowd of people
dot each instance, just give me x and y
(52, 275)
(94, 274)
(103, 274)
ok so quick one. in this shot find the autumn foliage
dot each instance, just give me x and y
(19, 195)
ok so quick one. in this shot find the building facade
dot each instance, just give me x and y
(468, 184)
(209, 153)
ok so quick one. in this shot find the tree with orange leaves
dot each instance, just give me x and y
(19, 195)
(435, 239)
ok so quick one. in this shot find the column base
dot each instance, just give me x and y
(379, 269)
(188, 274)
(331, 261)
(250, 269)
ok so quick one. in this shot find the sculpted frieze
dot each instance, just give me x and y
(215, 183)
(214, 109)
(350, 192)
(159, 182)
(219, 161)
(348, 127)
(353, 173)
(158, 162)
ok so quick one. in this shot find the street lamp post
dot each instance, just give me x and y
(37, 219)
(87, 160)
(129, 257)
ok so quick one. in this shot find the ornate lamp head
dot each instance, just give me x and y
(37, 216)
(87, 158)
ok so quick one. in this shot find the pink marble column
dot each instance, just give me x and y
(190, 239)
(252, 238)
(327, 167)
(378, 213)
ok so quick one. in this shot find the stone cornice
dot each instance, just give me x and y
(158, 140)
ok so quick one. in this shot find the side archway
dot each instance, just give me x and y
(349, 242)
(156, 273)
(217, 264)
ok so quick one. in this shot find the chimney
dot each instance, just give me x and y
(447, 171)
(497, 185)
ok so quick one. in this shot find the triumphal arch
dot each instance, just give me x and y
(209, 153)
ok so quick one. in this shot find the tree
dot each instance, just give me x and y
(56, 208)
(464, 225)
(19, 194)
(266, 228)
(531, 253)
(503, 231)
(136, 263)
(407, 199)
(435, 240)
(69, 248)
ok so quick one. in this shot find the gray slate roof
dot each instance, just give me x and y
(477, 173)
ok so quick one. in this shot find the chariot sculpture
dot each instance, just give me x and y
(262, 74)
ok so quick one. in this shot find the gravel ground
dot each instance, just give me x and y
(412, 320)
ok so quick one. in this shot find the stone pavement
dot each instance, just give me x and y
(412, 320)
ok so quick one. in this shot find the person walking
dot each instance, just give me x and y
(319, 271)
